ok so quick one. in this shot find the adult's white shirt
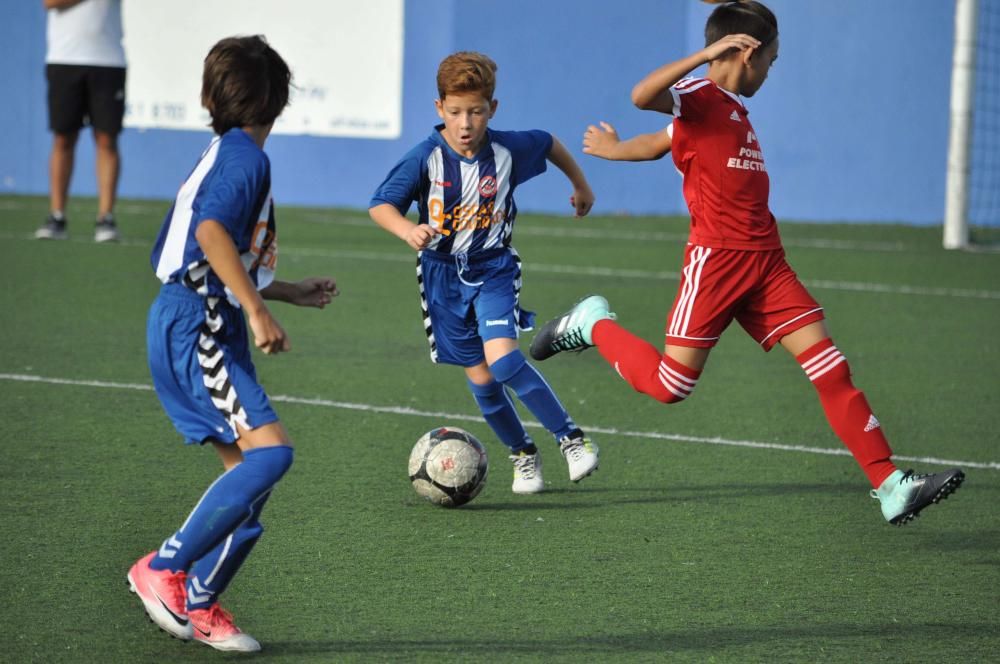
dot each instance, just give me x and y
(88, 33)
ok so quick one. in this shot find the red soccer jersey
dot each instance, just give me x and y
(725, 182)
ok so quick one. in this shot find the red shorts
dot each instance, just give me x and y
(756, 288)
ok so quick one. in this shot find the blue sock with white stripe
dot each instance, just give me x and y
(225, 505)
(530, 387)
(498, 410)
(211, 574)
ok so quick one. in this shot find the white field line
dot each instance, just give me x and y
(451, 417)
(593, 271)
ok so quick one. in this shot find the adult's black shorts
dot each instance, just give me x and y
(84, 94)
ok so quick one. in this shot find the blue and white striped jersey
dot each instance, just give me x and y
(470, 200)
(231, 184)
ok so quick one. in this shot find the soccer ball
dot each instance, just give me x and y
(448, 466)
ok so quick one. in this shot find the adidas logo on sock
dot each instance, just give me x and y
(872, 423)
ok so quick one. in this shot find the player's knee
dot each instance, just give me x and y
(668, 395)
(673, 382)
(825, 365)
(489, 397)
(274, 460)
(507, 368)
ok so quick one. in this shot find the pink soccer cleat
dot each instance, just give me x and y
(163, 595)
(214, 627)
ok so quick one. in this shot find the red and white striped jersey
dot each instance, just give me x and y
(726, 186)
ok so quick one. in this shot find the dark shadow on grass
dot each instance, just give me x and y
(586, 498)
(784, 639)
(986, 540)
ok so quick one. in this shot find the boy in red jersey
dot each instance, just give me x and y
(734, 265)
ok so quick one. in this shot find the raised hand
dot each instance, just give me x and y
(739, 42)
(600, 141)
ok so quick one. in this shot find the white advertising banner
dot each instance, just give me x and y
(346, 59)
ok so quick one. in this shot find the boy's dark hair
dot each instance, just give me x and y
(245, 83)
(747, 17)
(467, 71)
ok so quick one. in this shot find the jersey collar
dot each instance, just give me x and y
(735, 97)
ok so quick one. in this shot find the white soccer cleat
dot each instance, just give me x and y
(527, 473)
(581, 455)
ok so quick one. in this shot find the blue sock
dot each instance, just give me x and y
(499, 412)
(225, 505)
(530, 387)
(210, 575)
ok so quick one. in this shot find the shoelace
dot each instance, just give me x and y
(178, 588)
(573, 449)
(219, 617)
(908, 476)
(525, 465)
(572, 340)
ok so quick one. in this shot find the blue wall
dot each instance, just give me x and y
(853, 118)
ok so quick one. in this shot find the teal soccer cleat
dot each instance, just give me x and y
(571, 331)
(904, 495)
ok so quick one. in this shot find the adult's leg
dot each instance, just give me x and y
(61, 169)
(108, 169)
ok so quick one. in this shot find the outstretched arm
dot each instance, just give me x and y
(652, 93)
(310, 292)
(604, 142)
(583, 198)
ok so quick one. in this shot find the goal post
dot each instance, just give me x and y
(963, 84)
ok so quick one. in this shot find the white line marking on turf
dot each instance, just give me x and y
(441, 415)
(396, 257)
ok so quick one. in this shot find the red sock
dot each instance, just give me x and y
(642, 365)
(847, 410)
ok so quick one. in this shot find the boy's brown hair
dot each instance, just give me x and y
(245, 83)
(467, 71)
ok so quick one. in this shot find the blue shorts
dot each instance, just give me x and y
(202, 372)
(467, 300)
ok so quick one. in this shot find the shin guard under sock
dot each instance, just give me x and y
(530, 387)
(499, 412)
(226, 504)
(847, 409)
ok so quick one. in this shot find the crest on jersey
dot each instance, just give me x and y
(487, 186)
